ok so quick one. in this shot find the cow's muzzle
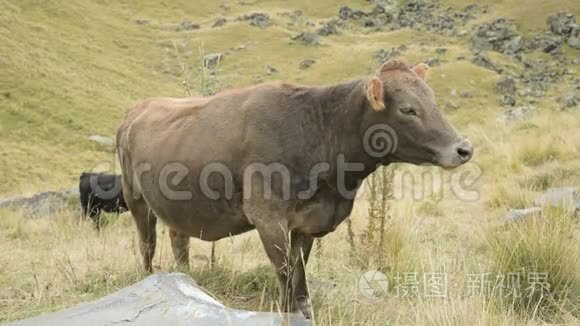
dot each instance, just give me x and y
(456, 155)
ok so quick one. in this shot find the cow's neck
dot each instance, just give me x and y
(344, 107)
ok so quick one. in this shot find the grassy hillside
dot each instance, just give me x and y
(68, 70)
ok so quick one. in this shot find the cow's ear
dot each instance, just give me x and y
(421, 70)
(374, 93)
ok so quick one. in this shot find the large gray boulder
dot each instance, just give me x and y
(160, 299)
(562, 197)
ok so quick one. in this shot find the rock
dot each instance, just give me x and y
(142, 21)
(466, 94)
(44, 204)
(561, 23)
(220, 22)
(345, 12)
(485, 62)
(522, 214)
(452, 105)
(307, 63)
(514, 46)
(257, 19)
(383, 55)
(574, 38)
(516, 114)
(161, 299)
(442, 23)
(571, 100)
(506, 85)
(561, 197)
(329, 28)
(538, 75)
(211, 60)
(270, 70)
(103, 140)
(547, 42)
(432, 62)
(440, 50)
(307, 38)
(453, 92)
(187, 26)
(496, 36)
(508, 100)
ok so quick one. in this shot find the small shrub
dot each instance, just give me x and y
(504, 198)
(546, 255)
(537, 154)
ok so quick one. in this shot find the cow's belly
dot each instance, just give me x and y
(201, 217)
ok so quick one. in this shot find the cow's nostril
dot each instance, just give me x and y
(464, 152)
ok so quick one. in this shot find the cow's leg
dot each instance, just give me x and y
(274, 237)
(145, 221)
(180, 247)
(95, 216)
(300, 250)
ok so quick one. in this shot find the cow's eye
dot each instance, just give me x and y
(407, 110)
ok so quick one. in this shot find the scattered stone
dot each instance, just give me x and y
(211, 60)
(516, 114)
(383, 55)
(538, 75)
(270, 70)
(432, 62)
(452, 105)
(44, 204)
(103, 140)
(466, 94)
(442, 23)
(485, 62)
(307, 63)
(561, 197)
(571, 100)
(547, 42)
(508, 100)
(329, 28)
(307, 38)
(187, 26)
(142, 21)
(574, 38)
(514, 46)
(496, 36)
(522, 214)
(562, 23)
(441, 50)
(345, 12)
(506, 85)
(257, 19)
(220, 22)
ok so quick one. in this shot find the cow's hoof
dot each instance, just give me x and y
(305, 307)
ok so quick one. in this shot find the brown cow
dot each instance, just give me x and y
(281, 159)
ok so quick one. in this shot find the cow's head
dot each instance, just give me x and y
(399, 98)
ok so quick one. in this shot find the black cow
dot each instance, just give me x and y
(101, 192)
